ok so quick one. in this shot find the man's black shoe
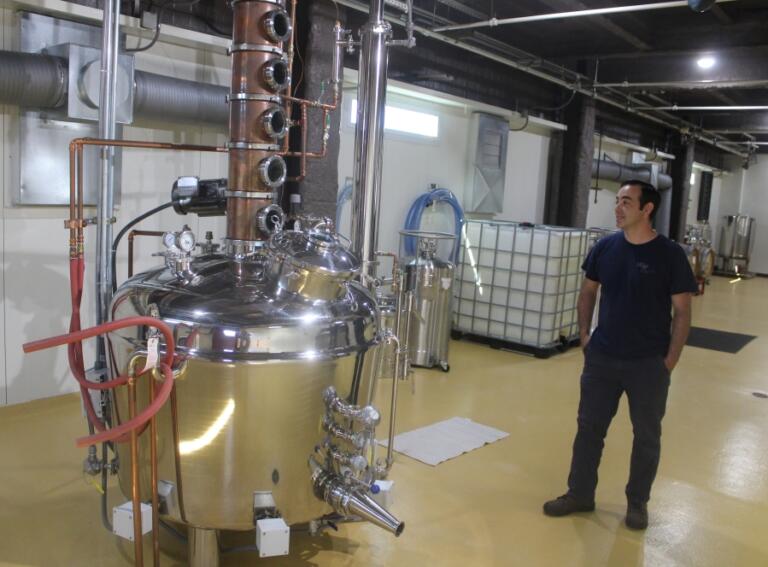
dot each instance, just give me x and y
(637, 516)
(567, 504)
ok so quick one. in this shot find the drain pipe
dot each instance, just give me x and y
(107, 130)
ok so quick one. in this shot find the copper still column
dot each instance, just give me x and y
(257, 121)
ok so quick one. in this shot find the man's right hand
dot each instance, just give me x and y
(585, 342)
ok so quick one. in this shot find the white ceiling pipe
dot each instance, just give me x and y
(493, 22)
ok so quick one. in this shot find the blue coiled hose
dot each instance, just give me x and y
(344, 195)
(413, 218)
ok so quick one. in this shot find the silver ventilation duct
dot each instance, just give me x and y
(619, 172)
(32, 80)
(41, 81)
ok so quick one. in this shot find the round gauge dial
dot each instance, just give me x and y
(169, 240)
(186, 241)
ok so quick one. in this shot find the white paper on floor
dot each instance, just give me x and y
(445, 440)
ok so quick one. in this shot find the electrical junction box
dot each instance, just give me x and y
(385, 496)
(122, 520)
(272, 537)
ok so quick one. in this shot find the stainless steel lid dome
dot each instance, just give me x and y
(225, 315)
(317, 250)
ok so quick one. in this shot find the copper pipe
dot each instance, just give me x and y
(146, 145)
(80, 195)
(135, 486)
(153, 480)
(303, 153)
(131, 236)
(176, 453)
(316, 104)
(323, 148)
(76, 223)
(72, 206)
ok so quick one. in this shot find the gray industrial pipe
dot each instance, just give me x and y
(40, 81)
(32, 79)
(612, 171)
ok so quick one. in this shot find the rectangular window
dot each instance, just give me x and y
(398, 119)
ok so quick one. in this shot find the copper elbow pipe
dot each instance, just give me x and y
(131, 237)
(76, 222)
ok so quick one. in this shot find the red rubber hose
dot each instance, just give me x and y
(74, 340)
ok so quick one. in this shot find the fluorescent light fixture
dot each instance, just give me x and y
(398, 119)
(706, 62)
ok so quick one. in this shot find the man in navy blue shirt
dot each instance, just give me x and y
(645, 285)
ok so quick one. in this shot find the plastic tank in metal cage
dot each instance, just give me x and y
(519, 283)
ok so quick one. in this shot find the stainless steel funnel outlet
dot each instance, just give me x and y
(349, 502)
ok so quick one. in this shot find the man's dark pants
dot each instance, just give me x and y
(605, 378)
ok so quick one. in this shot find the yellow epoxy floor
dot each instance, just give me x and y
(709, 506)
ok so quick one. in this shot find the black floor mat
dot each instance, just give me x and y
(718, 340)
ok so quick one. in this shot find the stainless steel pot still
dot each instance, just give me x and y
(265, 421)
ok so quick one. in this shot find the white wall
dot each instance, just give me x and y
(411, 164)
(754, 202)
(34, 289)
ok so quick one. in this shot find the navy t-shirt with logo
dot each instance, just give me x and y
(637, 284)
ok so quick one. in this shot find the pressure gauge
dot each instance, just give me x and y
(169, 240)
(186, 241)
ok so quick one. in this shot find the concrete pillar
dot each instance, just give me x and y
(319, 188)
(682, 167)
(576, 170)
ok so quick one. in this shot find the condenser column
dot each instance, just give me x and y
(257, 120)
(369, 136)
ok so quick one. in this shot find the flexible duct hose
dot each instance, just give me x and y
(32, 80)
(413, 218)
(176, 100)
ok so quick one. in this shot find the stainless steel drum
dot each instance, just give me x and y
(737, 233)
(263, 339)
(430, 280)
